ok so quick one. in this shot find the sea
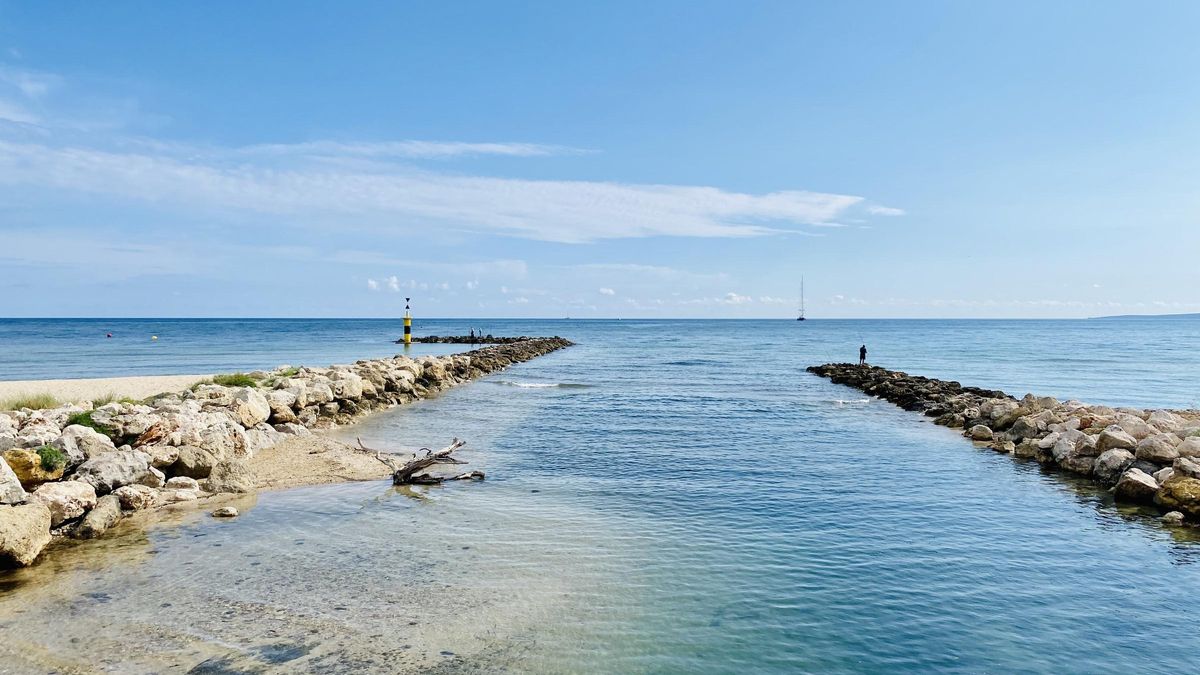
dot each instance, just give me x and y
(663, 497)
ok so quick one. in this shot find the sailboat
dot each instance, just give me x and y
(801, 317)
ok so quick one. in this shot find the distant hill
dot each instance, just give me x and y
(1150, 316)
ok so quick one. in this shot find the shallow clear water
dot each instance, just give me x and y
(684, 498)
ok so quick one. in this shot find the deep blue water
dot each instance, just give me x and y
(671, 496)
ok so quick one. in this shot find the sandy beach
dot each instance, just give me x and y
(90, 389)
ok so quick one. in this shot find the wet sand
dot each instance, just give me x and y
(313, 460)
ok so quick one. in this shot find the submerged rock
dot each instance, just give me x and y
(225, 512)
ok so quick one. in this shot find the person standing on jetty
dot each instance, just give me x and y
(862, 355)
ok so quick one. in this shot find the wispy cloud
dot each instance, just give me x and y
(559, 211)
(405, 149)
(607, 291)
(877, 210)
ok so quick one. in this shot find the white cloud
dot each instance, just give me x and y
(471, 285)
(735, 299)
(32, 84)
(769, 300)
(607, 291)
(519, 301)
(394, 197)
(393, 284)
(877, 210)
(372, 285)
(16, 113)
(405, 149)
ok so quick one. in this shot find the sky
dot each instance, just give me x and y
(619, 159)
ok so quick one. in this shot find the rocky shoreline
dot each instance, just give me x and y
(1149, 457)
(77, 469)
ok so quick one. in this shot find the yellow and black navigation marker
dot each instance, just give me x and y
(407, 323)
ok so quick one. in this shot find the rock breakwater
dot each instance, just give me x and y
(76, 469)
(1149, 457)
(467, 339)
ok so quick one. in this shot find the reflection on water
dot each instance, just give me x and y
(701, 506)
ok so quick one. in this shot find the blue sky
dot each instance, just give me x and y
(624, 159)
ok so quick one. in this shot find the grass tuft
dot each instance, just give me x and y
(112, 397)
(289, 372)
(85, 419)
(235, 380)
(31, 401)
(52, 458)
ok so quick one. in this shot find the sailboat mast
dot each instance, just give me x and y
(801, 296)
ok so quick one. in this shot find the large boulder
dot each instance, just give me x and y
(249, 407)
(193, 462)
(1187, 466)
(1136, 485)
(24, 532)
(11, 491)
(232, 476)
(80, 443)
(115, 469)
(261, 437)
(1165, 421)
(67, 499)
(1190, 447)
(136, 497)
(281, 402)
(1065, 442)
(37, 433)
(98, 520)
(318, 393)
(213, 394)
(1135, 426)
(1159, 448)
(980, 432)
(1115, 438)
(1111, 464)
(27, 465)
(346, 385)
(1180, 493)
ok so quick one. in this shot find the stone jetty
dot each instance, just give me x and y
(488, 339)
(75, 470)
(1149, 457)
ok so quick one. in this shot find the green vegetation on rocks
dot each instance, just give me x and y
(235, 380)
(85, 419)
(52, 458)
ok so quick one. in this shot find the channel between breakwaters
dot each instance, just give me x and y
(1149, 457)
(75, 470)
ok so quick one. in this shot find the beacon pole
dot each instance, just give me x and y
(407, 322)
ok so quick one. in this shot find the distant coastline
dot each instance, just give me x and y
(1149, 316)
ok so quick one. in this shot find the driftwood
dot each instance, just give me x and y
(409, 471)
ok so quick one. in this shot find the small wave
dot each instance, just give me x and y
(542, 385)
(852, 401)
(692, 362)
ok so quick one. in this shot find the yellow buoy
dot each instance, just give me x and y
(153, 337)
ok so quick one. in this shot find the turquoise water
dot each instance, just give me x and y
(668, 497)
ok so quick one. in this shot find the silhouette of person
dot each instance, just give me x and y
(862, 355)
